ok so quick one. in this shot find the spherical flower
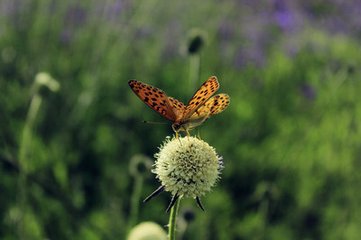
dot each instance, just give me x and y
(147, 231)
(187, 166)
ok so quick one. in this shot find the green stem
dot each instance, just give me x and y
(24, 161)
(172, 220)
(27, 131)
(264, 211)
(194, 69)
(134, 207)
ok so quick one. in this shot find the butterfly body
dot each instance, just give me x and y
(189, 124)
(183, 117)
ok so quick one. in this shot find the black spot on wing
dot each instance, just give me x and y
(153, 97)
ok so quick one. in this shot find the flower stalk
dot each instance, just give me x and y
(41, 80)
(139, 165)
(196, 41)
(173, 220)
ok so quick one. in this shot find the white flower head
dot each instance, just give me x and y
(187, 166)
(147, 231)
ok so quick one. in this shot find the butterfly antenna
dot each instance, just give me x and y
(151, 122)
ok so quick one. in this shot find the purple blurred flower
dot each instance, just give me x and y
(334, 15)
(283, 15)
(256, 41)
(171, 42)
(10, 7)
(66, 36)
(246, 56)
(308, 91)
(113, 10)
(75, 16)
(225, 31)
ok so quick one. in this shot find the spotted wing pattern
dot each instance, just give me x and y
(214, 105)
(200, 107)
(155, 98)
(178, 106)
(207, 89)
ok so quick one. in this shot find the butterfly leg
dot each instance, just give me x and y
(180, 142)
(177, 136)
(176, 132)
(199, 134)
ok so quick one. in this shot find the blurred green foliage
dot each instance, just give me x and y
(290, 138)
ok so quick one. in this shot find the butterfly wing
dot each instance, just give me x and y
(155, 98)
(214, 105)
(207, 89)
(177, 106)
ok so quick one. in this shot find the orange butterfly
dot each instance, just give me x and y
(184, 117)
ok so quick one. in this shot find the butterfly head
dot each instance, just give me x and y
(177, 127)
(183, 127)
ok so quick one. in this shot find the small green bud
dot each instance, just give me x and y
(44, 79)
(196, 40)
(139, 165)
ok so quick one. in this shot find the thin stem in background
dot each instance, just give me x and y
(194, 69)
(23, 161)
(135, 200)
(41, 79)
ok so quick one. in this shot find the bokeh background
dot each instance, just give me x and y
(72, 137)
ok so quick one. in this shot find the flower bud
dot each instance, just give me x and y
(139, 165)
(196, 41)
(44, 79)
(147, 231)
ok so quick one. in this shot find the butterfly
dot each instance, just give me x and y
(183, 117)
